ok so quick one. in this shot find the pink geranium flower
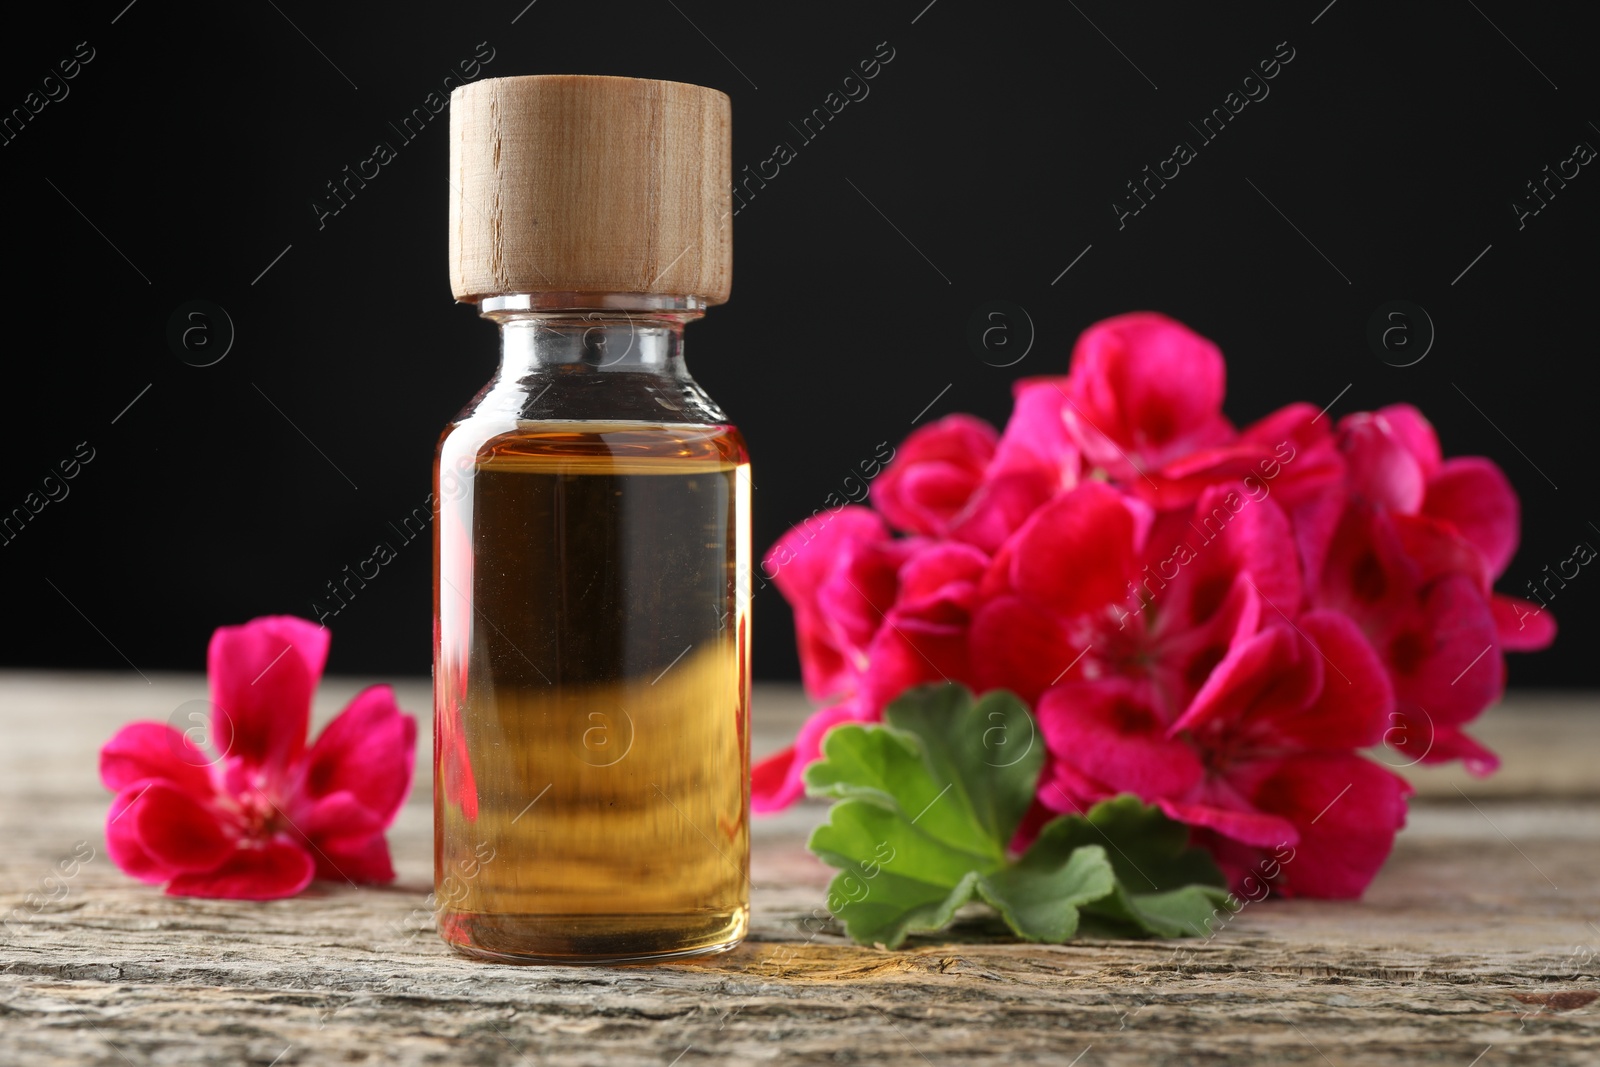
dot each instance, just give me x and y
(1155, 602)
(927, 486)
(1262, 757)
(955, 479)
(1429, 620)
(1142, 392)
(266, 815)
(1413, 560)
(1396, 466)
(1217, 620)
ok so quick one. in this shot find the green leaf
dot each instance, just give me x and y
(990, 752)
(1149, 852)
(886, 767)
(1174, 913)
(1164, 887)
(893, 879)
(927, 805)
(1039, 896)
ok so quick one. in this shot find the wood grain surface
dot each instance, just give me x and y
(1478, 945)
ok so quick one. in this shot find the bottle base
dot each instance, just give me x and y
(575, 940)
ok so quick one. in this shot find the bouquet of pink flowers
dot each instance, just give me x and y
(1217, 621)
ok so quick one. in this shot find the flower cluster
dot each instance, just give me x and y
(1217, 620)
(266, 814)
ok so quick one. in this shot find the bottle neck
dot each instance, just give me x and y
(591, 333)
(593, 357)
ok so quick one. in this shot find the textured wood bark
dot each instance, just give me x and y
(1481, 939)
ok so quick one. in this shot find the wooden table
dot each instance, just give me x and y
(1478, 945)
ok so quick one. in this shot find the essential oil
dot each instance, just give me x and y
(591, 788)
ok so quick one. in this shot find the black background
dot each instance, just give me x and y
(985, 160)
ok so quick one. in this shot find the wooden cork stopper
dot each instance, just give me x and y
(570, 183)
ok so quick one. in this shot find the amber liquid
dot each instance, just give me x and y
(591, 791)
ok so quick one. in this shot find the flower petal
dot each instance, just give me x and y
(123, 844)
(263, 675)
(362, 860)
(1107, 730)
(1347, 809)
(852, 603)
(1318, 687)
(1062, 788)
(802, 564)
(934, 474)
(1144, 390)
(1356, 700)
(281, 868)
(144, 750)
(1239, 823)
(1474, 496)
(1018, 645)
(1412, 429)
(1523, 626)
(771, 788)
(945, 571)
(1383, 470)
(337, 815)
(1451, 744)
(1306, 475)
(1442, 654)
(1229, 533)
(1036, 437)
(368, 751)
(1034, 460)
(769, 791)
(1095, 528)
(1187, 655)
(1258, 679)
(180, 833)
(1434, 548)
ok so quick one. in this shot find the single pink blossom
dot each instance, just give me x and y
(1396, 465)
(956, 478)
(926, 487)
(267, 815)
(1413, 590)
(1143, 391)
(1417, 550)
(1263, 756)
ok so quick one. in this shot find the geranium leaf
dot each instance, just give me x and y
(1185, 912)
(886, 767)
(990, 751)
(893, 879)
(927, 805)
(1149, 852)
(1039, 896)
(1165, 887)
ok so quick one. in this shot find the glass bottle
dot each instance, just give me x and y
(592, 555)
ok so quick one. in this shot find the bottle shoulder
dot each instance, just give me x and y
(578, 442)
(579, 394)
(603, 447)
